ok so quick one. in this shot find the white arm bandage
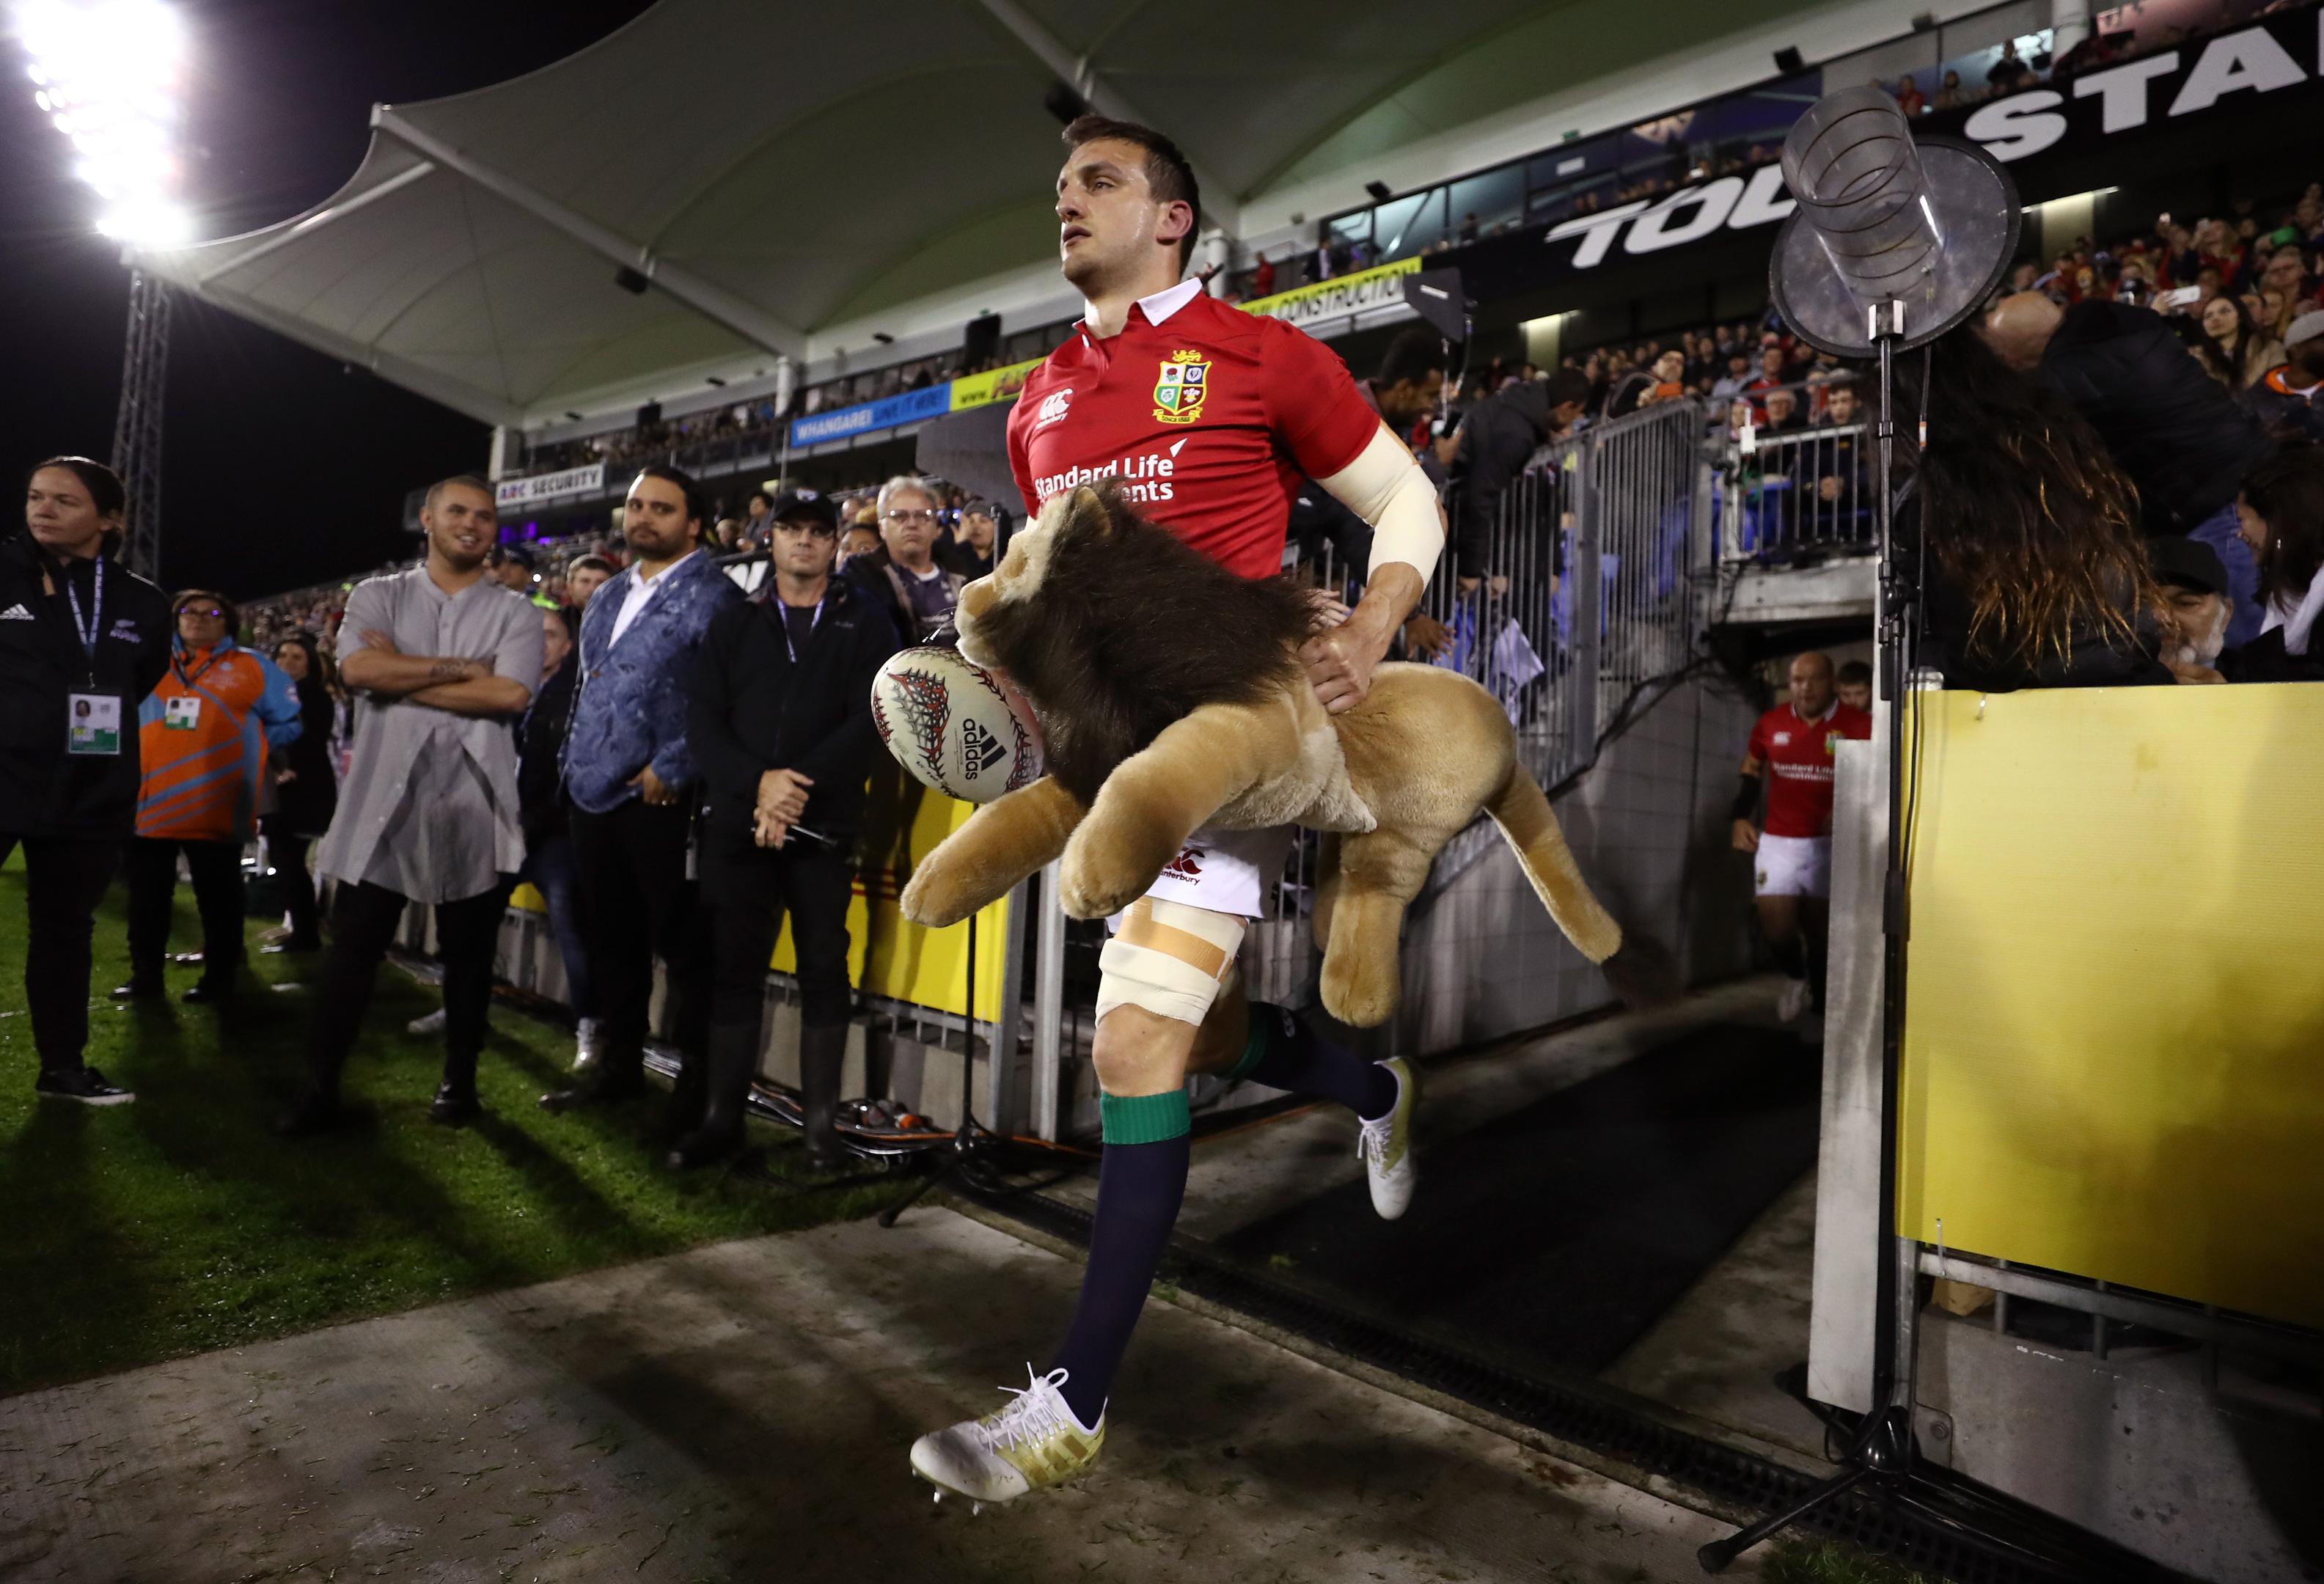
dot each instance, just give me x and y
(1385, 487)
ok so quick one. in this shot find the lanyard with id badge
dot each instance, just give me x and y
(92, 719)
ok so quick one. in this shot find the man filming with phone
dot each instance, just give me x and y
(780, 720)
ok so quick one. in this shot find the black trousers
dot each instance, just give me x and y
(362, 923)
(216, 869)
(288, 854)
(749, 888)
(65, 879)
(637, 905)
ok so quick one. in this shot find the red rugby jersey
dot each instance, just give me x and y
(1798, 755)
(1210, 415)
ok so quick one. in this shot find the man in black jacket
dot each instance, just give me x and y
(82, 641)
(780, 720)
(2172, 428)
(1498, 436)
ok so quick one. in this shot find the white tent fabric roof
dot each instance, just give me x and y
(779, 169)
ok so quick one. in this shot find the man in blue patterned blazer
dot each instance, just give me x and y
(632, 786)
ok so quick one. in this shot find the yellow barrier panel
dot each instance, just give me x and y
(927, 967)
(887, 956)
(2114, 1048)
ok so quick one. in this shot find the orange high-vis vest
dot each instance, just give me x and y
(204, 732)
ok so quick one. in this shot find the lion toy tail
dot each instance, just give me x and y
(1638, 968)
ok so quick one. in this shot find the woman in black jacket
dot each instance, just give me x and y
(82, 641)
(780, 720)
(306, 788)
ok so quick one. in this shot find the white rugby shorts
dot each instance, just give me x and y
(1226, 871)
(1792, 866)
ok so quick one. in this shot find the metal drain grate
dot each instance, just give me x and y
(1940, 1523)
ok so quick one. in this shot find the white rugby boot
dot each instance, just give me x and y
(1033, 1442)
(431, 1024)
(1384, 1144)
(587, 1044)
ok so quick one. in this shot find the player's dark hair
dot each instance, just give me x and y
(697, 504)
(2287, 491)
(1416, 353)
(1854, 672)
(1168, 175)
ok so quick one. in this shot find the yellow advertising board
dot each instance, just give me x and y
(2114, 1041)
(993, 385)
(1377, 287)
(885, 955)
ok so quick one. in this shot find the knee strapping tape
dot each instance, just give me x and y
(1170, 959)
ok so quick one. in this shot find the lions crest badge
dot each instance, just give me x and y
(1179, 387)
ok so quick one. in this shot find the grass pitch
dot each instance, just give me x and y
(179, 1224)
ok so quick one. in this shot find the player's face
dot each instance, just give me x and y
(1110, 228)
(1855, 696)
(462, 526)
(1810, 684)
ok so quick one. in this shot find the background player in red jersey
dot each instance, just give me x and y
(1212, 419)
(1792, 746)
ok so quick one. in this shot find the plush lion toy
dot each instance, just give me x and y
(1171, 697)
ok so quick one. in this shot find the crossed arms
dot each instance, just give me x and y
(459, 686)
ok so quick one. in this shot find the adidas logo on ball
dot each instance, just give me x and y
(956, 726)
(980, 749)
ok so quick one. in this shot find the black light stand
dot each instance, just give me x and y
(1882, 1449)
(972, 1146)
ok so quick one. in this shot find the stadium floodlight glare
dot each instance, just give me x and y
(110, 74)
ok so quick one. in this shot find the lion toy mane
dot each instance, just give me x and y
(1171, 697)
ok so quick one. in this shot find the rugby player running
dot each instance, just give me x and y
(1212, 417)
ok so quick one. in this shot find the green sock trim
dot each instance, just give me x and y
(1254, 1045)
(1144, 1118)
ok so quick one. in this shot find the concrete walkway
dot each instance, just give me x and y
(741, 1412)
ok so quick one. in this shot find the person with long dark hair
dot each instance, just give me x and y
(82, 640)
(306, 788)
(2036, 570)
(2282, 511)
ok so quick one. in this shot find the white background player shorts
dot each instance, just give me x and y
(1226, 871)
(1792, 866)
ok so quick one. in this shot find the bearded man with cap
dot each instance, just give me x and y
(2194, 583)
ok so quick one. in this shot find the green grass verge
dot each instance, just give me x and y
(1795, 1561)
(181, 1224)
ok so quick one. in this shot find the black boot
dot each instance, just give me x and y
(618, 1075)
(689, 1095)
(727, 1072)
(823, 1052)
(455, 1096)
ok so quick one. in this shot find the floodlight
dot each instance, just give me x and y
(109, 74)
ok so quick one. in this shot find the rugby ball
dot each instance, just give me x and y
(955, 726)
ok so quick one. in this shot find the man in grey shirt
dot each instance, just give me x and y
(444, 658)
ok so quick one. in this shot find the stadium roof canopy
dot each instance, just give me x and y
(722, 182)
